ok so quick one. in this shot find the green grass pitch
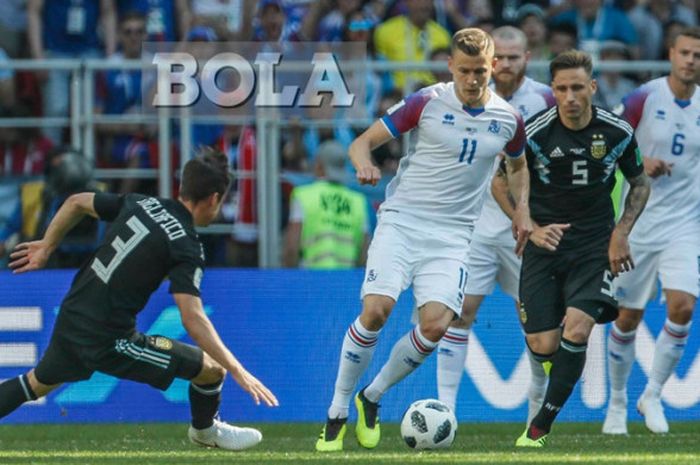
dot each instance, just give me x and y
(491, 443)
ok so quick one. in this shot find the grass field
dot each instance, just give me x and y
(166, 444)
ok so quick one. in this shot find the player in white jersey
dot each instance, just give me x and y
(491, 253)
(425, 224)
(665, 113)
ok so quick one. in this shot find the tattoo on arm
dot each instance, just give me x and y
(640, 187)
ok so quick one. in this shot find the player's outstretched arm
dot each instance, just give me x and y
(619, 249)
(28, 256)
(202, 331)
(519, 185)
(360, 152)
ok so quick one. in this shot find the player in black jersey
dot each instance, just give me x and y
(150, 239)
(575, 249)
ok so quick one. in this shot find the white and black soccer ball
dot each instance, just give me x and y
(428, 424)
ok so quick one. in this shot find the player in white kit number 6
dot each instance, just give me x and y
(665, 113)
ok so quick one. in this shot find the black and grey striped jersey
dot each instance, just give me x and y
(572, 173)
(150, 239)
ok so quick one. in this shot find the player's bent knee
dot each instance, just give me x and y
(461, 323)
(681, 312)
(375, 312)
(628, 320)
(211, 372)
(542, 345)
(40, 389)
(433, 330)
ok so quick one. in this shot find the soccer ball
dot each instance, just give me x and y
(428, 424)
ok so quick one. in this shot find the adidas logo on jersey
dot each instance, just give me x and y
(556, 153)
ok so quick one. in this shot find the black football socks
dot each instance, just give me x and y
(567, 367)
(204, 403)
(13, 393)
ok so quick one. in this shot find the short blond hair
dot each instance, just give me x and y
(472, 41)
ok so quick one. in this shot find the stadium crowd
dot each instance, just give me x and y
(395, 30)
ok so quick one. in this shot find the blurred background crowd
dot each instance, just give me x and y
(40, 166)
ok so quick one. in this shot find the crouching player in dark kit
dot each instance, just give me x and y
(150, 239)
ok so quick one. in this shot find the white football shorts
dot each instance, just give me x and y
(489, 264)
(435, 265)
(677, 267)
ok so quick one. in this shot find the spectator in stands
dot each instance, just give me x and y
(411, 37)
(166, 20)
(669, 10)
(67, 172)
(23, 151)
(649, 19)
(507, 11)
(440, 55)
(328, 222)
(273, 23)
(127, 145)
(230, 19)
(612, 85)
(66, 29)
(561, 37)
(359, 27)
(326, 19)
(486, 24)
(531, 20)
(596, 23)
(453, 15)
(13, 27)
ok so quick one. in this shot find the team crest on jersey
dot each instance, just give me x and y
(163, 343)
(448, 119)
(494, 127)
(599, 147)
(523, 111)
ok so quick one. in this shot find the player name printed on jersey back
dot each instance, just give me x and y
(172, 227)
(450, 156)
(494, 226)
(667, 129)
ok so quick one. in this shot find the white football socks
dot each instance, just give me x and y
(670, 345)
(358, 347)
(621, 356)
(451, 358)
(407, 355)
